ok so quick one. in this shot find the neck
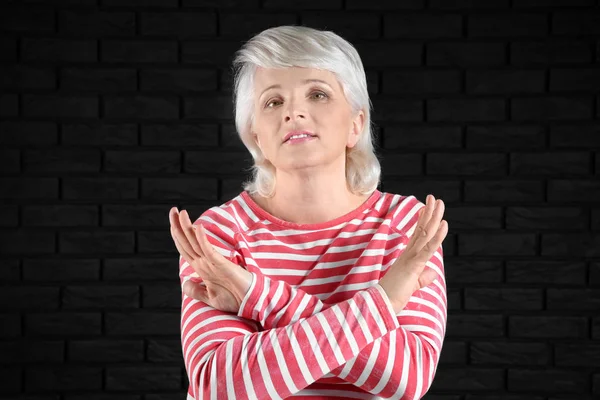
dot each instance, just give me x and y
(312, 197)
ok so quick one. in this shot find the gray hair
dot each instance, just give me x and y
(299, 46)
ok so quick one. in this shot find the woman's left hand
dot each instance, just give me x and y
(224, 284)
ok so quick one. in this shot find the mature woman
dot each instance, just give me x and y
(311, 283)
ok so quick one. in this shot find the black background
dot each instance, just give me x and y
(113, 111)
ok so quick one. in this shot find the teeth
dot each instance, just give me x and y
(298, 136)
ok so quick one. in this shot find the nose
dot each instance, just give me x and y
(293, 111)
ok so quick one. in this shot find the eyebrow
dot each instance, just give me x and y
(305, 81)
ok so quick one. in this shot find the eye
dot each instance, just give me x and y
(269, 103)
(320, 93)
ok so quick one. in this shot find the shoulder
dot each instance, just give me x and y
(223, 220)
(402, 209)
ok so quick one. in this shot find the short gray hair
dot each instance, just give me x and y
(300, 46)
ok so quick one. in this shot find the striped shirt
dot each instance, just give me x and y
(315, 323)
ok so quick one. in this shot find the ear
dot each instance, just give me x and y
(255, 138)
(358, 123)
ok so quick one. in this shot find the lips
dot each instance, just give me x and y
(292, 133)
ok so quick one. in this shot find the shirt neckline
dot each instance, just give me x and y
(262, 213)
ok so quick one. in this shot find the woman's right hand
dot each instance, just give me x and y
(408, 273)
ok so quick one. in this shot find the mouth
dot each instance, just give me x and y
(298, 136)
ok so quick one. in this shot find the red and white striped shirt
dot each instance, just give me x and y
(314, 324)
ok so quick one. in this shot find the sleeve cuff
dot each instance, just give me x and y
(248, 305)
(385, 306)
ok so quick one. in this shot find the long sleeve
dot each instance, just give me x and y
(226, 354)
(413, 350)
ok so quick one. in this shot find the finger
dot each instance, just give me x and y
(187, 257)
(420, 230)
(196, 291)
(208, 250)
(434, 244)
(187, 228)
(428, 229)
(427, 277)
(177, 233)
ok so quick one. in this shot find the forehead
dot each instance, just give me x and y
(265, 77)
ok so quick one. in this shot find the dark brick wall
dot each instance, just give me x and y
(113, 111)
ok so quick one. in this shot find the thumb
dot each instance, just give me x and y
(427, 277)
(196, 291)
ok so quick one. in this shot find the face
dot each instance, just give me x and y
(303, 99)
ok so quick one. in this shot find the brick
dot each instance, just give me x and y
(106, 188)
(135, 215)
(59, 378)
(238, 24)
(28, 351)
(141, 107)
(467, 4)
(138, 51)
(550, 51)
(163, 295)
(467, 379)
(546, 218)
(178, 80)
(421, 82)
(462, 54)
(104, 296)
(504, 353)
(349, 25)
(388, 108)
(587, 135)
(9, 105)
(8, 49)
(141, 269)
(23, 77)
(28, 188)
(453, 353)
(60, 106)
(10, 271)
(164, 350)
(205, 162)
(474, 271)
(551, 108)
(61, 160)
(96, 242)
(28, 19)
(503, 299)
(584, 22)
(454, 299)
(385, 5)
(180, 134)
(579, 79)
(484, 164)
(595, 328)
(504, 190)
(230, 188)
(155, 242)
(10, 161)
(178, 24)
(179, 188)
(501, 81)
(141, 3)
(409, 25)
(143, 323)
(145, 162)
(11, 379)
(106, 351)
(459, 110)
(595, 273)
(209, 52)
(376, 53)
(57, 270)
(549, 381)
(551, 163)
(60, 215)
(147, 378)
(513, 24)
(463, 325)
(547, 327)
(397, 136)
(96, 23)
(236, 4)
(63, 324)
(585, 245)
(573, 299)
(577, 354)
(98, 79)
(497, 244)
(230, 137)
(303, 4)
(100, 134)
(401, 164)
(28, 133)
(208, 106)
(27, 241)
(504, 396)
(574, 190)
(546, 272)
(29, 298)
(551, 3)
(11, 325)
(505, 137)
(59, 50)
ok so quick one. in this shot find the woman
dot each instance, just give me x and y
(311, 282)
